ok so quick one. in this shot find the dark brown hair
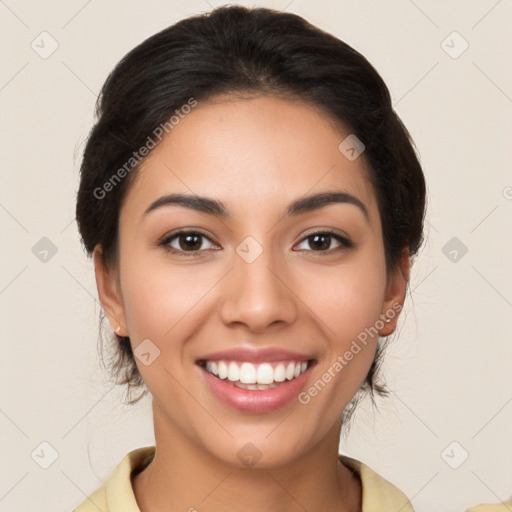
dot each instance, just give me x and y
(234, 49)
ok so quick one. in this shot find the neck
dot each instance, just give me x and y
(182, 476)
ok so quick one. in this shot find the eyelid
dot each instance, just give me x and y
(330, 231)
(187, 230)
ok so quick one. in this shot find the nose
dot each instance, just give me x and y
(258, 294)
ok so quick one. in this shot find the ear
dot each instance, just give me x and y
(109, 295)
(395, 294)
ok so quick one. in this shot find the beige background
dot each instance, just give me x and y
(450, 368)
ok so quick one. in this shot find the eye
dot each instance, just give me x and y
(190, 242)
(321, 241)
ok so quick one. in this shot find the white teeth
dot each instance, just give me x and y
(223, 369)
(265, 374)
(247, 373)
(250, 376)
(233, 372)
(280, 372)
(254, 387)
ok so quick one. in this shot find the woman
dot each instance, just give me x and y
(252, 204)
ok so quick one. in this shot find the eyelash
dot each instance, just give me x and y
(164, 242)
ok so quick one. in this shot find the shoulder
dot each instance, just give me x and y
(377, 491)
(116, 494)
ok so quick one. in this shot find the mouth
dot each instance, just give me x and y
(256, 387)
(256, 377)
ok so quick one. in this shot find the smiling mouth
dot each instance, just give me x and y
(256, 377)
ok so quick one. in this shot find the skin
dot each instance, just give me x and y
(256, 155)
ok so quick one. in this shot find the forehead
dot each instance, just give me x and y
(254, 154)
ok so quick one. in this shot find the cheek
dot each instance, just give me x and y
(350, 309)
(161, 301)
(350, 305)
(165, 305)
(351, 345)
(351, 300)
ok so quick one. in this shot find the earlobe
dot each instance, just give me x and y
(395, 294)
(108, 293)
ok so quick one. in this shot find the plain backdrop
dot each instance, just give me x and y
(443, 437)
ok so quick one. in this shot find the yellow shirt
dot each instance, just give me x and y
(505, 506)
(116, 494)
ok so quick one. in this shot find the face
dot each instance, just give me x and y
(242, 285)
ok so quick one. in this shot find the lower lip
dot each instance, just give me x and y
(248, 400)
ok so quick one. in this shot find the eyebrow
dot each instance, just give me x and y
(217, 208)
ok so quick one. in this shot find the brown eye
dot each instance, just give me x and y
(322, 241)
(191, 242)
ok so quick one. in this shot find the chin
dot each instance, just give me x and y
(257, 452)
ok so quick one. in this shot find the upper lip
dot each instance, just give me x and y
(255, 355)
